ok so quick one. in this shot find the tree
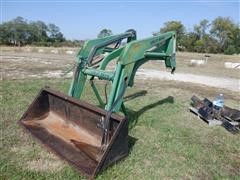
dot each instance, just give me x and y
(188, 41)
(210, 44)
(201, 29)
(236, 39)
(4, 34)
(105, 33)
(18, 31)
(21, 32)
(55, 34)
(38, 31)
(224, 37)
(223, 29)
(174, 26)
(202, 41)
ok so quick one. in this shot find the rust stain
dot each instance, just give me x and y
(69, 132)
(92, 152)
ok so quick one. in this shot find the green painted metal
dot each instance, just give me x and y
(83, 53)
(153, 55)
(110, 57)
(114, 87)
(96, 93)
(101, 74)
(128, 57)
(78, 81)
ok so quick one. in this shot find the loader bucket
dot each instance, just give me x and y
(70, 129)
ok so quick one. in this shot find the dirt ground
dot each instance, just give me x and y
(23, 63)
(217, 82)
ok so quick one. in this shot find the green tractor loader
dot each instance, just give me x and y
(86, 136)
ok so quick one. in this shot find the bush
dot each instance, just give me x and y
(230, 50)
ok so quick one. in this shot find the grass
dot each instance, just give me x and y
(167, 141)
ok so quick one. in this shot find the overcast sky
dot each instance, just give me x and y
(84, 19)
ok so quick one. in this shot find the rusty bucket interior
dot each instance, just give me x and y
(70, 129)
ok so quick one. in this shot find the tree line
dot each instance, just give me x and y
(222, 35)
(20, 32)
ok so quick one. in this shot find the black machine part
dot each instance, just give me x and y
(205, 109)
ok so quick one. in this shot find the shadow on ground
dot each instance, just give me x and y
(133, 116)
(135, 95)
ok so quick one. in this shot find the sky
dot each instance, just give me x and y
(82, 19)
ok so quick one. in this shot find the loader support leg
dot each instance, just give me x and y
(114, 87)
(124, 110)
(96, 93)
(79, 85)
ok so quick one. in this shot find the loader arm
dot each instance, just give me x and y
(86, 54)
(129, 58)
(136, 53)
(88, 137)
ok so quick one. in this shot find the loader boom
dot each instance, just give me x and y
(88, 137)
(129, 58)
